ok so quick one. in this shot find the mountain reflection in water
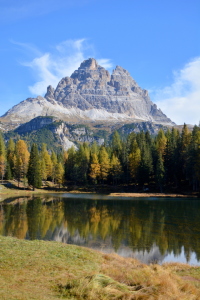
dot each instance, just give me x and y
(151, 230)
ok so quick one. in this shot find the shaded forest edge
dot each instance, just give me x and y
(76, 272)
(168, 163)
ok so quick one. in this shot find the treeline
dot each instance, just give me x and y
(169, 160)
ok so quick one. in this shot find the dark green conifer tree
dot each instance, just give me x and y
(34, 170)
(184, 151)
(171, 157)
(70, 165)
(194, 159)
(116, 144)
(160, 172)
(145, 170)
(8, 174)
(82, 162)
(116, 169)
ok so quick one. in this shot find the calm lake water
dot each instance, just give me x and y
(149, 229)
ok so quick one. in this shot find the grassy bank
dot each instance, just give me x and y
(7, 192)
(10, 189)
(51, 270)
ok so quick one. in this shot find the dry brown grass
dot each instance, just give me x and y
(50, 270)
(154, 281)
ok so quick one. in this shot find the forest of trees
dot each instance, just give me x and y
(170, 160)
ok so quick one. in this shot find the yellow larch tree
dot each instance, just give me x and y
(94, 168)
(104, 161)
(59, 174)
(21, 159)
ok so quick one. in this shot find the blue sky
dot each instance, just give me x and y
(158, 42)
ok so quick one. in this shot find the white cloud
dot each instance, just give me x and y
(42, 66)
(181, 100)
(49, 68)
(105, 62)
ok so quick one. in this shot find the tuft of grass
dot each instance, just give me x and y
(50, 270)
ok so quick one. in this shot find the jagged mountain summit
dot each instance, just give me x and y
(91, 94)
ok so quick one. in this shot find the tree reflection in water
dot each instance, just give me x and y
(124, 226)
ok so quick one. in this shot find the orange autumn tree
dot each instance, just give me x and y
(21, 160)
(46, 163)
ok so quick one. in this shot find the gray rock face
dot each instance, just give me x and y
(91, 94)
(50, 94)
(91, 86)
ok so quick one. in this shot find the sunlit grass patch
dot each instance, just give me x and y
(51, 270)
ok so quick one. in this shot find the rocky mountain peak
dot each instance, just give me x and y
(50, 94)
(92, 94)
(50, 91)
(120, 71)
(122, 81)
(90, 70)
(89, 63)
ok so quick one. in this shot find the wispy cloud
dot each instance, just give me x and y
(27, 47)
(181, 100)
(64, 58)
(14, 10)
(105, 62)
(11, 10)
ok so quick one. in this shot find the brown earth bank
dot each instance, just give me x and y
(152, 195)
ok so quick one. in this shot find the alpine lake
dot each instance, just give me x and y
(150, 229)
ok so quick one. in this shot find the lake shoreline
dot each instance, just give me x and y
(19, 193)
(6, 192)
(10, 188)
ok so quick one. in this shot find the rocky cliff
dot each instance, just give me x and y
(91, 94)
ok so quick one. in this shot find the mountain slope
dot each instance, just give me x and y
(91, 94)
(62, 135)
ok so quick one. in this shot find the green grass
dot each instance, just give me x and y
(51, 270)
(13, 191)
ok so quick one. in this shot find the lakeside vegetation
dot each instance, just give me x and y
(50, 270)
(168, 162)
